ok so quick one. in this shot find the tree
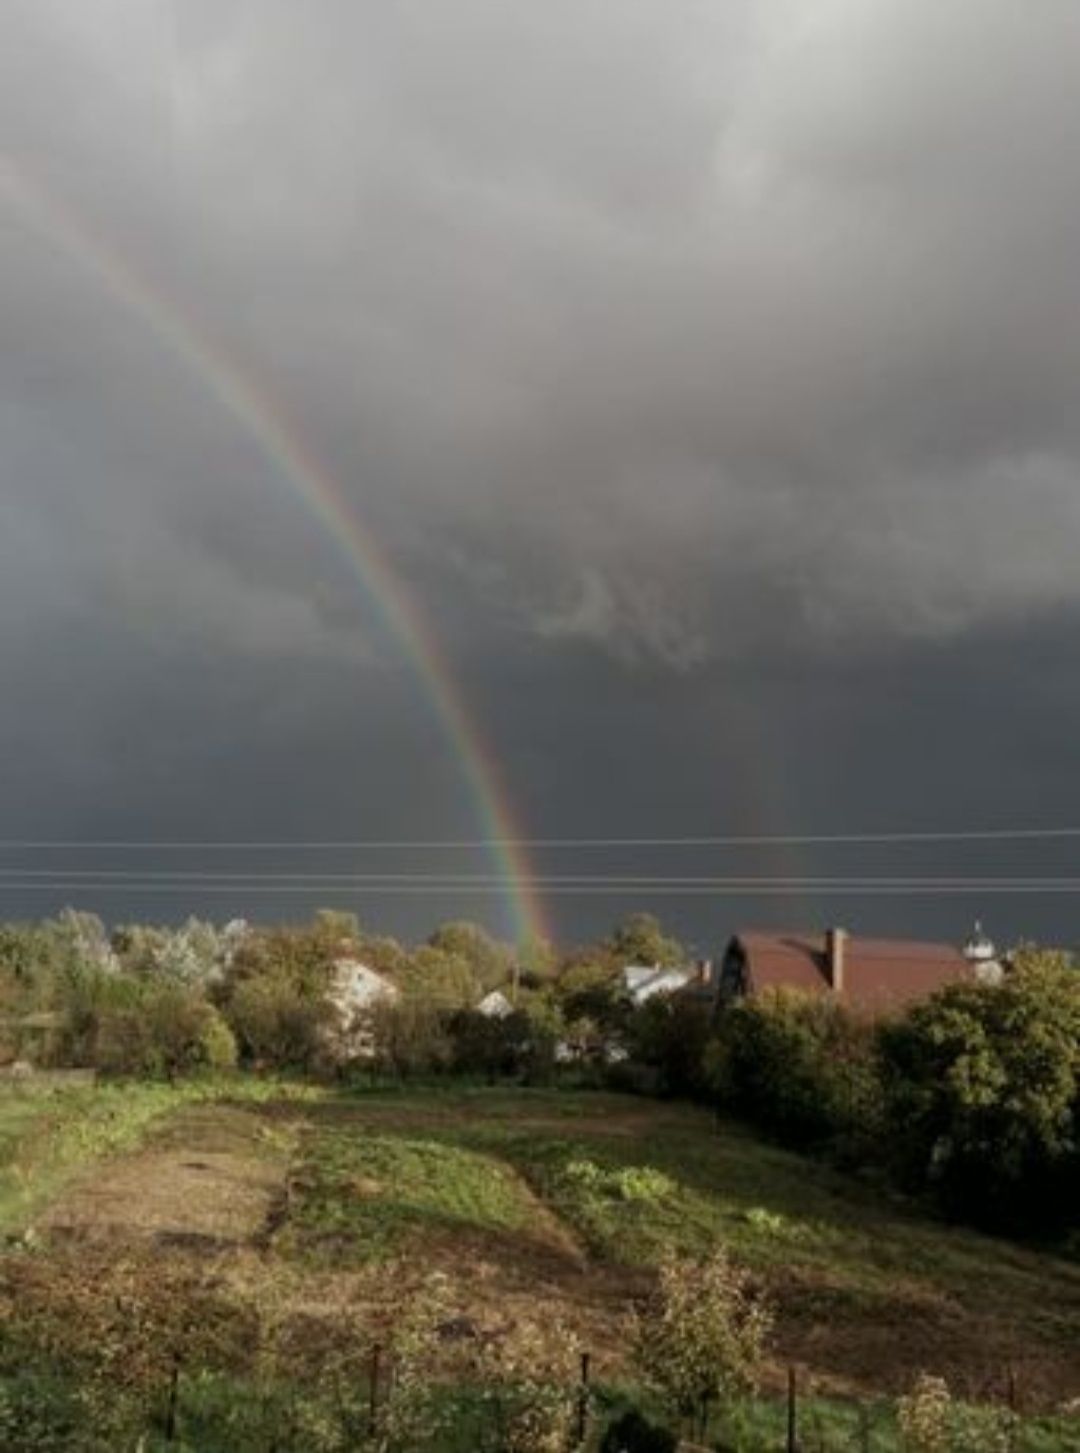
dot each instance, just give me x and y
(410, 1037)
(669, 1033)
(984, 1094)
(490, 962)
(336, 928)
(591, 989)
(79, 941)
(639, 939)
(276, 997)
(800, 1066)
(440, 977)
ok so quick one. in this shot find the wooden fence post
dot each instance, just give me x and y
(373, 1391)
(583, 1400)
(792, 1413)
(174, 1399)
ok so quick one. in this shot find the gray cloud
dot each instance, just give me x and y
(699, 343)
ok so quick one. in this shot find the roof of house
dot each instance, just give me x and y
(642, 981)
(879, 974)
(356, 986)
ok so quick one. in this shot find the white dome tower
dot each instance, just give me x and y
(982, 956)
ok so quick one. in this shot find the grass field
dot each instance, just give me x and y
(537, 1205)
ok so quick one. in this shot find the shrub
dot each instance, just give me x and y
(703, 1335)
(931, 1422)
(668, 1034)
(276, 1023)
(530, 1381)
(410, 1037)
(217, 1043)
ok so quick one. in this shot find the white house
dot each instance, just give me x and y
(495, 1005)
(355, 991)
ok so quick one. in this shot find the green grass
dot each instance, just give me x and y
(364, 1197)
(678, 1182)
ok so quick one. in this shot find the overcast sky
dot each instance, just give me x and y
(709, 373)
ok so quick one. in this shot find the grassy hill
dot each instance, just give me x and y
(537, 1205)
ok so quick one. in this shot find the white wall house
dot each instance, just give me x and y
(357, 990)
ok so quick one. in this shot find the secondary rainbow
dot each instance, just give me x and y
(249, 404)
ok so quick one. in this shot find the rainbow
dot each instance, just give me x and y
(280, 443)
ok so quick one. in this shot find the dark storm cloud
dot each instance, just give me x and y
(672, 350)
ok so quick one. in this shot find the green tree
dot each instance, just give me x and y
(591, 989)
(669, 1033)
(440, 977)
(410, 1037)
(275, 996)
(984, 1094)
(491, 962)
(639, 939)
(703, 1336)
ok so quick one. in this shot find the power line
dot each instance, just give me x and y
(884, 888)
(1012, 834)
(500, 880)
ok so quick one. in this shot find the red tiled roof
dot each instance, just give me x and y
(879, 974)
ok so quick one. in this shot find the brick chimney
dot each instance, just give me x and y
(835, 941)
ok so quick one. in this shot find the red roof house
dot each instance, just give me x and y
(873, 976)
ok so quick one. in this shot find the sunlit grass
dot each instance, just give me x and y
(362, 1196)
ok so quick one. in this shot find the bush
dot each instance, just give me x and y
(802, 1068)
(703, 1336)
(410, 1038)
(217, 1043)
(930, 1421)
(276, 1023)
(529, 1376)
(668, 1034)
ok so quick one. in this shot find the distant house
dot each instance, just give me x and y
(355, 992)
(642, 982)
(873, 976)
(495, 1005)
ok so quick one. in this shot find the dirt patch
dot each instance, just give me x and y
(205, 1182)
(162, 1196)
